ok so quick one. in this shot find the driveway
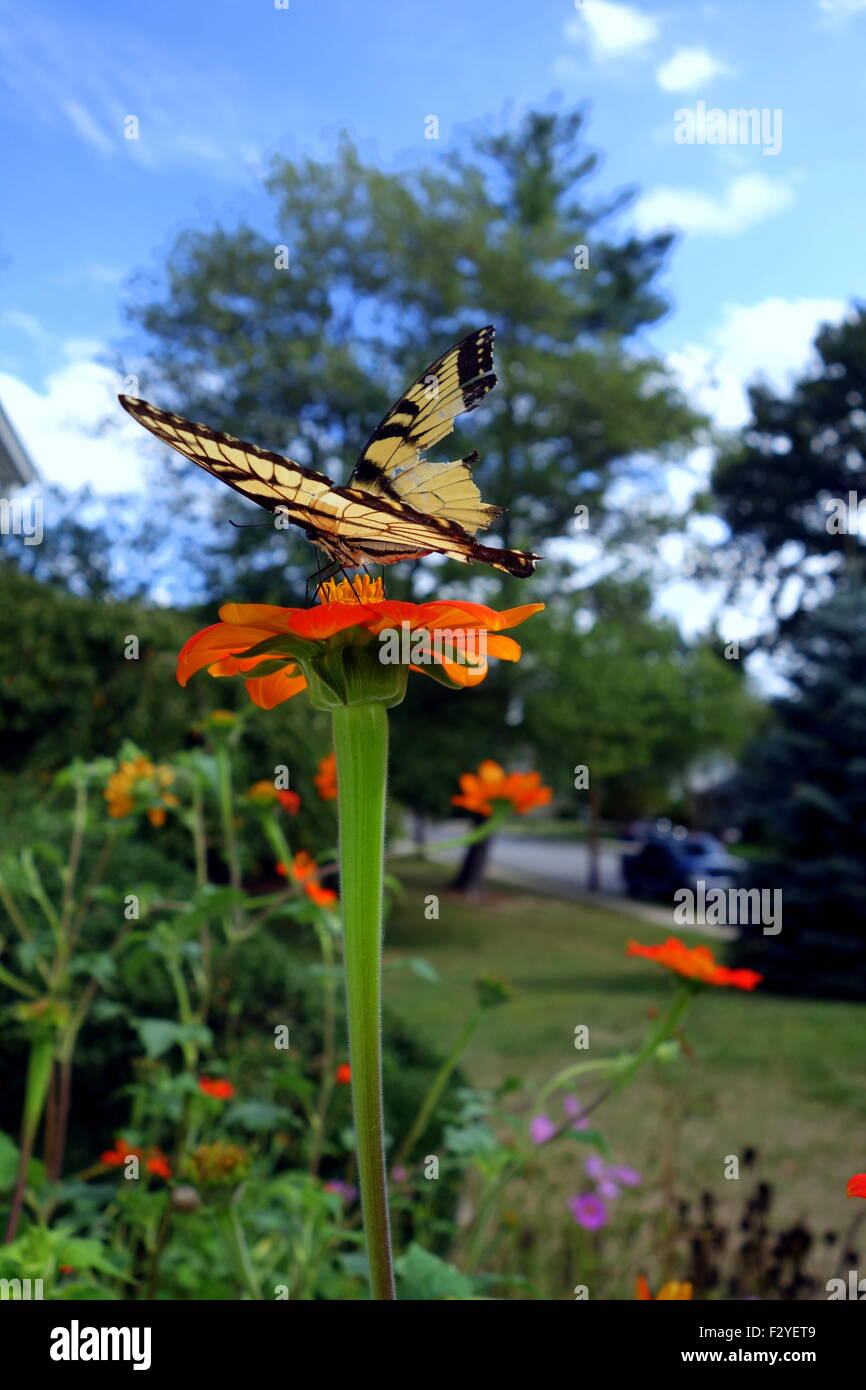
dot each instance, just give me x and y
(561, 867)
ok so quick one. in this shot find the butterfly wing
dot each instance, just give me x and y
(391, 463)
(265, 477)
(352, 524)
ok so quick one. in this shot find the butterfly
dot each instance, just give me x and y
(397, 504)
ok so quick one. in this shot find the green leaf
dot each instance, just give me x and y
(8, 1162)
(159, 1034)
(423, 1277)
(424, 970)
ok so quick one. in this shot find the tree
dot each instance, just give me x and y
(804, 785)
(300, 337)
(775, 483)
(623, 699)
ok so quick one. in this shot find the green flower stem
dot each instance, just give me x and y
(361, 745)
(419, 1124)
(236, 1240)
(227, 821)
(481, 832)
(625, 1070)
(39, 1069)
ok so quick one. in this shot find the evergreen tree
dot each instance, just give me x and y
(805, 787)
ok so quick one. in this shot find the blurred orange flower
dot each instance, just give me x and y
(155, 1161)
(492, 783)
(344, 1074)
(305, 871)
(857, 1185)
(695, 963)
(669, 1291)
(264, 793)
(217, 1087)
(137, 782)
(325, 779)
(298, 637)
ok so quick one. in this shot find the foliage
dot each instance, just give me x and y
(804, 789)
(772, 484)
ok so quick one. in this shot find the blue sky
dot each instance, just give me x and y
(770, 244)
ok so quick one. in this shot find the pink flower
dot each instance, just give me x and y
(541, 1129)
(573, 1108)
(629, 1177)
(588, 1210)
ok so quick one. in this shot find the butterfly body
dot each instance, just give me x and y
(397, 504)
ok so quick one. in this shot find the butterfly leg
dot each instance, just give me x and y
(323, 573)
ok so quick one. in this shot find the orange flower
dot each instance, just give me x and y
(305, 871)
(157, 1164)
(155, 1160)
(325, 779)
(491, 783)
(857, 1185)
(139, 784)
(116, 1157)
(669, 1291)
(344, 1074)
(217, 1087)
(264, 793)
(695, 963)
(295, 643)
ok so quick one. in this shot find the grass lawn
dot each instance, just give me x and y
(787, 1077)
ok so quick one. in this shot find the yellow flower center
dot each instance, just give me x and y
(361, 589)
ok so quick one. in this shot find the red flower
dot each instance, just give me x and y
(857, 1185)
(290, 801)
(325, 779)
(217, 1087)
(305, 871)
(695, 963)
(288, 640)
(344, 1074)
(157, 1164)
(116, 1157)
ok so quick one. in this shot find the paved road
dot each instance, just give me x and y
(562, 867)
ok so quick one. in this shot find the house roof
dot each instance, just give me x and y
(16, 466)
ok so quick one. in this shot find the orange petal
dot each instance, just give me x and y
(268, 691)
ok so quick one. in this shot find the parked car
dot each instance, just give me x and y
(667, 862)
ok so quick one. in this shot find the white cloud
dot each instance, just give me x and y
(26, 324)
(89, 129)
(841, 9)
(770, 339)
(688, 69)
(612, 30)
(88, 76)
(58, 426)
(747, 200)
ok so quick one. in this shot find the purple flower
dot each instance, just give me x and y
(588, 1210)
(629, 1177)
(595, 1167)
(573, 1108)
(608, 1189)
(541, 1129)
(398, 1173)
(343, 1189)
